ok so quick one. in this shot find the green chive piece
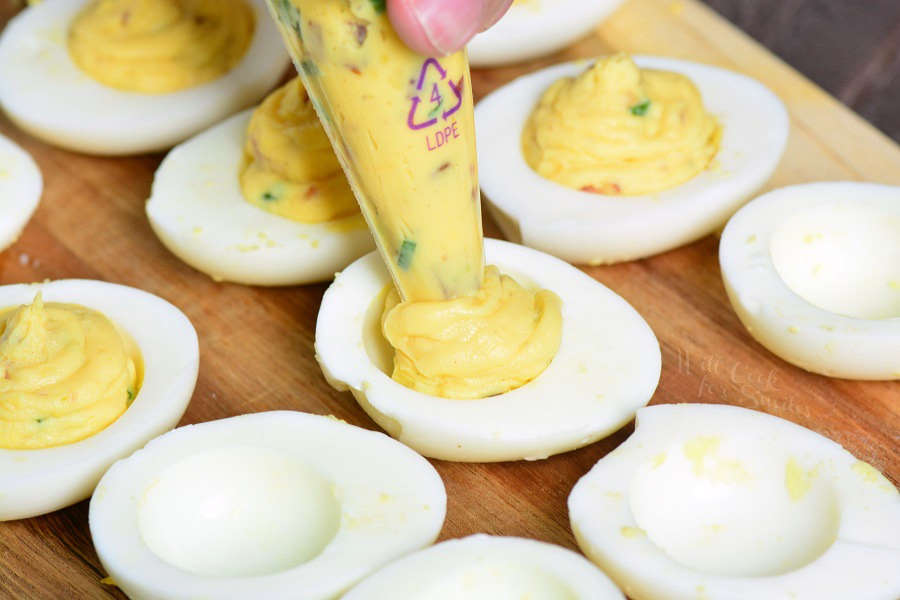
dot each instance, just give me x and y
(640, 109)
(404, 257)
(130, 394)
(379, 5)
(274, 193)
(290, 16)
(39, 420)
(309, 67)
(434, 111)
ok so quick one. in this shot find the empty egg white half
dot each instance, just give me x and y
(813, 272)
(34, 482)
(45, 93)
(483, 567)
(608, 365)
(534, 28)
(714, 501)
(21, 185)
(198, 210)
(268, 505)
(588, 228)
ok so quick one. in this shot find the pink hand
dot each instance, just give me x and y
(439, 27)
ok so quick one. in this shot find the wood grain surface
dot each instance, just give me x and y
(849, 47)
(256, 344)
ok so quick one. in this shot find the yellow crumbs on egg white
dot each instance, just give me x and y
(631, 532)
(872, 475)
(797, 480)
(702, 451)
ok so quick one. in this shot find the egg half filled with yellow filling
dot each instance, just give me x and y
(89, 371)
(66, 373)
(469, 379)
(625, 157)
(618, 129)
(260, 198)
(130, 76)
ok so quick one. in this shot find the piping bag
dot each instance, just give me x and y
(402, 127)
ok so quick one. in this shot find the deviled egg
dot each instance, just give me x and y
(636, 158)
(21, 185)
(534, 28)
(715, 501)
(260, 198)
(92, 371)
(483, 567)
(120, 77)
(813, 272)
(607, 365)
(266, 505)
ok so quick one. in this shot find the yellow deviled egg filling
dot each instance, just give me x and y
(66, 372)
(483, 344)
(290, 168)
(620, 130)
(160, 46)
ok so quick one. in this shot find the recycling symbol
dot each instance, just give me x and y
(416, 121)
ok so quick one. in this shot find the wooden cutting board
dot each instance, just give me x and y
(256, 344)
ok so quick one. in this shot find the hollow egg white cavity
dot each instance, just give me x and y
(588, 228)
(34, 482)
(21, 185)
(44, 92)
(813, 272)
(268, 505)
(715, 501)
(607, 366)
(484, 567)
(534, 28)
(198, 210)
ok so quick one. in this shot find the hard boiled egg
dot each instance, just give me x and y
(20, 190)
(586, 227)
(483, 567)
(813, 272)
(534, 28)
(713, 501)
(49, 96)
(607, 366)
(198, 210)
(267, 505)
(35, 482)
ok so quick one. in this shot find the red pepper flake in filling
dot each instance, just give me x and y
(354, 69)
(607, 189)
(443, 167)
(312, 191)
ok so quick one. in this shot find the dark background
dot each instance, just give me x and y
(849, 47)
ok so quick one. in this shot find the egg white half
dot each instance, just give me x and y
(197, 209)
(813, 272)
(716, 501)
(534, 28)
(484, 567)
(587, 228)
(34, 482)
(21, 185)
(268, 505)
(607, 366)
(44, 92)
